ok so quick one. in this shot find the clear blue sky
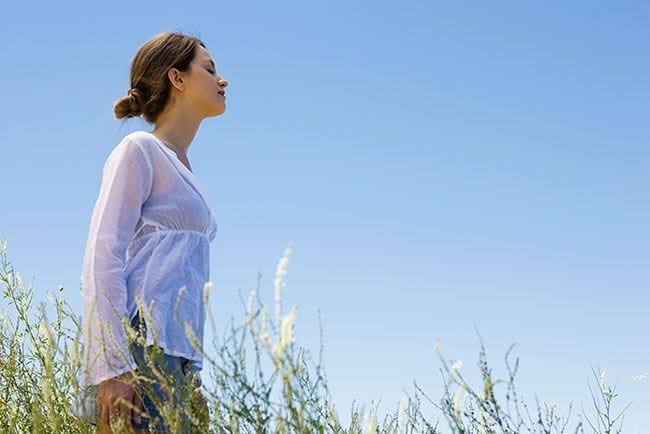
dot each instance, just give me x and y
(437, 165)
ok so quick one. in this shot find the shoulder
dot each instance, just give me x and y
(141, 140)
(138, 144)
(134, 149)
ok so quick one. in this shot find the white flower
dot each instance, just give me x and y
(459, 399)
(455, 367)
(287, 334)
(638, 377)
(43, 330)
(603, 385)
(181, 291)
(603, 376)
(263, 335)
(74, 355)
(249, 307)
(401, 415)
(370, 426)
(453, 372)
(189, 332)
(207, 287)
(264, 338)
(280, 272)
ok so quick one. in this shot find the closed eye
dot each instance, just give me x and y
(211, 72)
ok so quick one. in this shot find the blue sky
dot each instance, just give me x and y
(438, 166)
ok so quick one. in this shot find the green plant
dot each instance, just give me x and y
(39, 367)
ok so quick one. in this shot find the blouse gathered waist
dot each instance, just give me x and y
(162, 231)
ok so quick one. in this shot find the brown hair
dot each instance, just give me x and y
(150, 88)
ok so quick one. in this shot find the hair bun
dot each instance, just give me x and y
(134, 93)
(135, 100)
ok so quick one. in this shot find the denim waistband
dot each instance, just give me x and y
(142, 329)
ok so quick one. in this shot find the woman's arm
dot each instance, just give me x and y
(126, 184)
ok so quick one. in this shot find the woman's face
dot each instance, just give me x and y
(204, 85)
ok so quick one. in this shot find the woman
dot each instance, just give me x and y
(149, 237)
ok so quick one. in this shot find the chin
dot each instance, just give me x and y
(216, 111)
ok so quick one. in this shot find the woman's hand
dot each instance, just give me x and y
(200, 407)
(198, 402)
(119, 396)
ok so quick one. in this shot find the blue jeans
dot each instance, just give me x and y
(178, 370)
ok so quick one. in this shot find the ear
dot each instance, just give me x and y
(176, 79)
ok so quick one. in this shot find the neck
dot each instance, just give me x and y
(177, 129)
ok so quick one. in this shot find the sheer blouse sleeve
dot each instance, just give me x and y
(126, 183)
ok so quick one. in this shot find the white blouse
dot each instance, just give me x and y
(150, 234)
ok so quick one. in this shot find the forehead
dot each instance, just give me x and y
(203, 55)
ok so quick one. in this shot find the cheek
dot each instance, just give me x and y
(210, 88)
(205, 92)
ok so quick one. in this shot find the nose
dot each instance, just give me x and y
(223, 83)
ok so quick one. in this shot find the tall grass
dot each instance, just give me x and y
(40, 363)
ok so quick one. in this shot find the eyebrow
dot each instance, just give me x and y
(210, 60)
